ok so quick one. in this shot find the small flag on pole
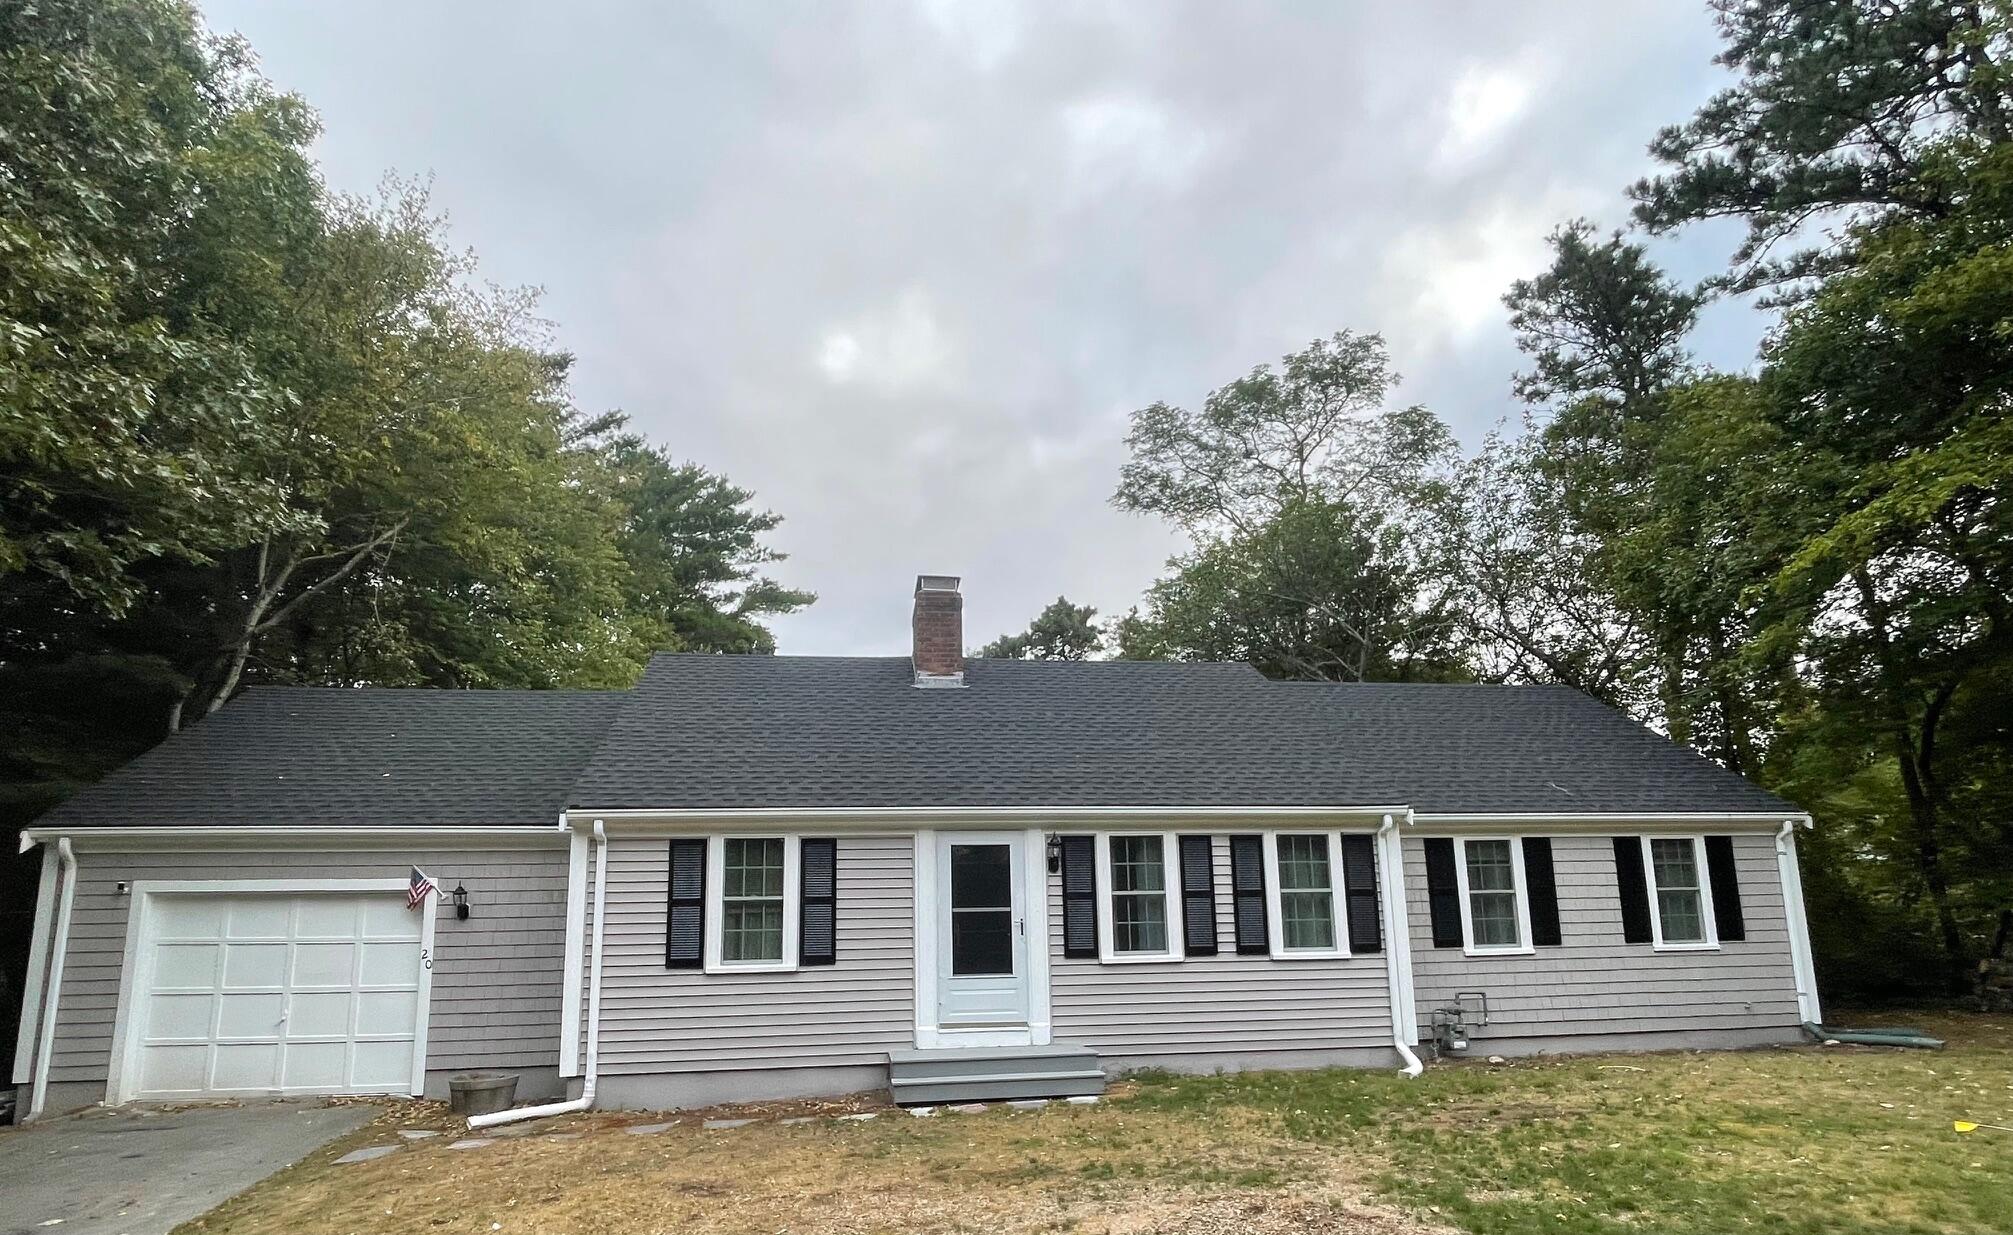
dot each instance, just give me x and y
(421, 887)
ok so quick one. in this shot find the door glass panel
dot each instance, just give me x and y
(981, 910)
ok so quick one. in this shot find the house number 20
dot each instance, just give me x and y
(426, 958)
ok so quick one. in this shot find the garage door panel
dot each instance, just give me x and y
(389, 964)
(181, 1016)
(325, 918)
(321, 1014)
(178, 1069)
(385, 1012)
(324, 964)
(266, 993)
(250, 1015)
(246, 1065)
(189, 917)
(321, 1065)
(187, 965)
(382, 1065)
(253, 966)
(257, 918)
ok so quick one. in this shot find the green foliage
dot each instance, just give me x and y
(255, 431)
(1838, 112)
(1062, 631)
(1282, 481)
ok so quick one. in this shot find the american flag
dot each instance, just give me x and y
(421, 887)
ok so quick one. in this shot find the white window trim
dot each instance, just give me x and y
(1523, 891)
(1275, 926)
(1711, 941)
(716, 889)
(1170, 857)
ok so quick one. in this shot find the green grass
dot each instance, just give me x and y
(1811, 1140)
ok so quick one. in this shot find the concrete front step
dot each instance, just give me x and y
(986, 1074)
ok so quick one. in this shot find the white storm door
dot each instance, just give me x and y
(259, 994)
(982, 965)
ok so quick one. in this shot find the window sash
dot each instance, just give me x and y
(1682, 913)
(751, 903)
(1137, 881)
(1495, 896)
(1304, 890)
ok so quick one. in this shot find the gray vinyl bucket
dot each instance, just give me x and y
(481, 1093)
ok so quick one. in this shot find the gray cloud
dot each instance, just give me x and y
(904, 270)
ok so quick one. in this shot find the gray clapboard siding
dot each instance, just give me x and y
(1226, 1003)
(496, 977)
(1594, 982)
(655, 1019)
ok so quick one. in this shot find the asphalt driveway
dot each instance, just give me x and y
(143, 1172)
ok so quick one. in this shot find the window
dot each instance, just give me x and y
(1683, 912)
(1305, 882)
(751, 911)
(1136, 880)
(1495, 909)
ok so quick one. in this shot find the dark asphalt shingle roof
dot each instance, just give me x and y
(358, 758)
(732, 732)
(735, 732)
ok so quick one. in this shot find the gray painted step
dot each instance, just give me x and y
(994, 1073)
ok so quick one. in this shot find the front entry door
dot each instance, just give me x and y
(982, 953)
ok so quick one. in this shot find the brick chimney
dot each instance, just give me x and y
(938, 626)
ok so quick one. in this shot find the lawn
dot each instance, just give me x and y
(1838, 1140)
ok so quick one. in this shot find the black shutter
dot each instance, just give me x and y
(1443, 892)
(817, 902)
(1079, 896)
(1635, 890)
(1359, 881)
(1726, 913)
(1247, 886)
(1198, 895)
(685, 918)
(1543, 891)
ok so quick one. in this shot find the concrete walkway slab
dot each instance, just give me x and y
(145, 1172)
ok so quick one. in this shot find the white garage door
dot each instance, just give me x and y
(254, 994)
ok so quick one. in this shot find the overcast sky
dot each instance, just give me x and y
(903, 269)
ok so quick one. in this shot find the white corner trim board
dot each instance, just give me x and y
(37, 973)
(58, 953)
(569, 995)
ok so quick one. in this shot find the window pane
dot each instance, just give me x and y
(1495, 918)
(1303, 862)
(1683, 917)
(1306, 919)
(981, 876)
(751, 931)
(1137, 865)
(1489, 866)
(981, 941)
(753, 868)
(1139, 923)
(1676, 863)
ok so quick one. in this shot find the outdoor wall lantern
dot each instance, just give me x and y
(1054, 853)
(460, 895)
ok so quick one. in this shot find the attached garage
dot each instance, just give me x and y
(237, 989)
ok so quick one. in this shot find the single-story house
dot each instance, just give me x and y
(758, 877)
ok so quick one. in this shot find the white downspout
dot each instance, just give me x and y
(586, 1099)
(66, 861)
(1801, 962)
(1397, 955)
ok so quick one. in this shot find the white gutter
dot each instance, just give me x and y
(1397, 945)
(1801, 962)
(66, 859)
(902, 818)
(586, 1099)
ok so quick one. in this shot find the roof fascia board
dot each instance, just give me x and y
(1636, 821)
(909, 817)
(110, 839)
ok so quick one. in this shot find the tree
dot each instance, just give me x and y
(1062, 631)
(1838, 116)
(1281, 482)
